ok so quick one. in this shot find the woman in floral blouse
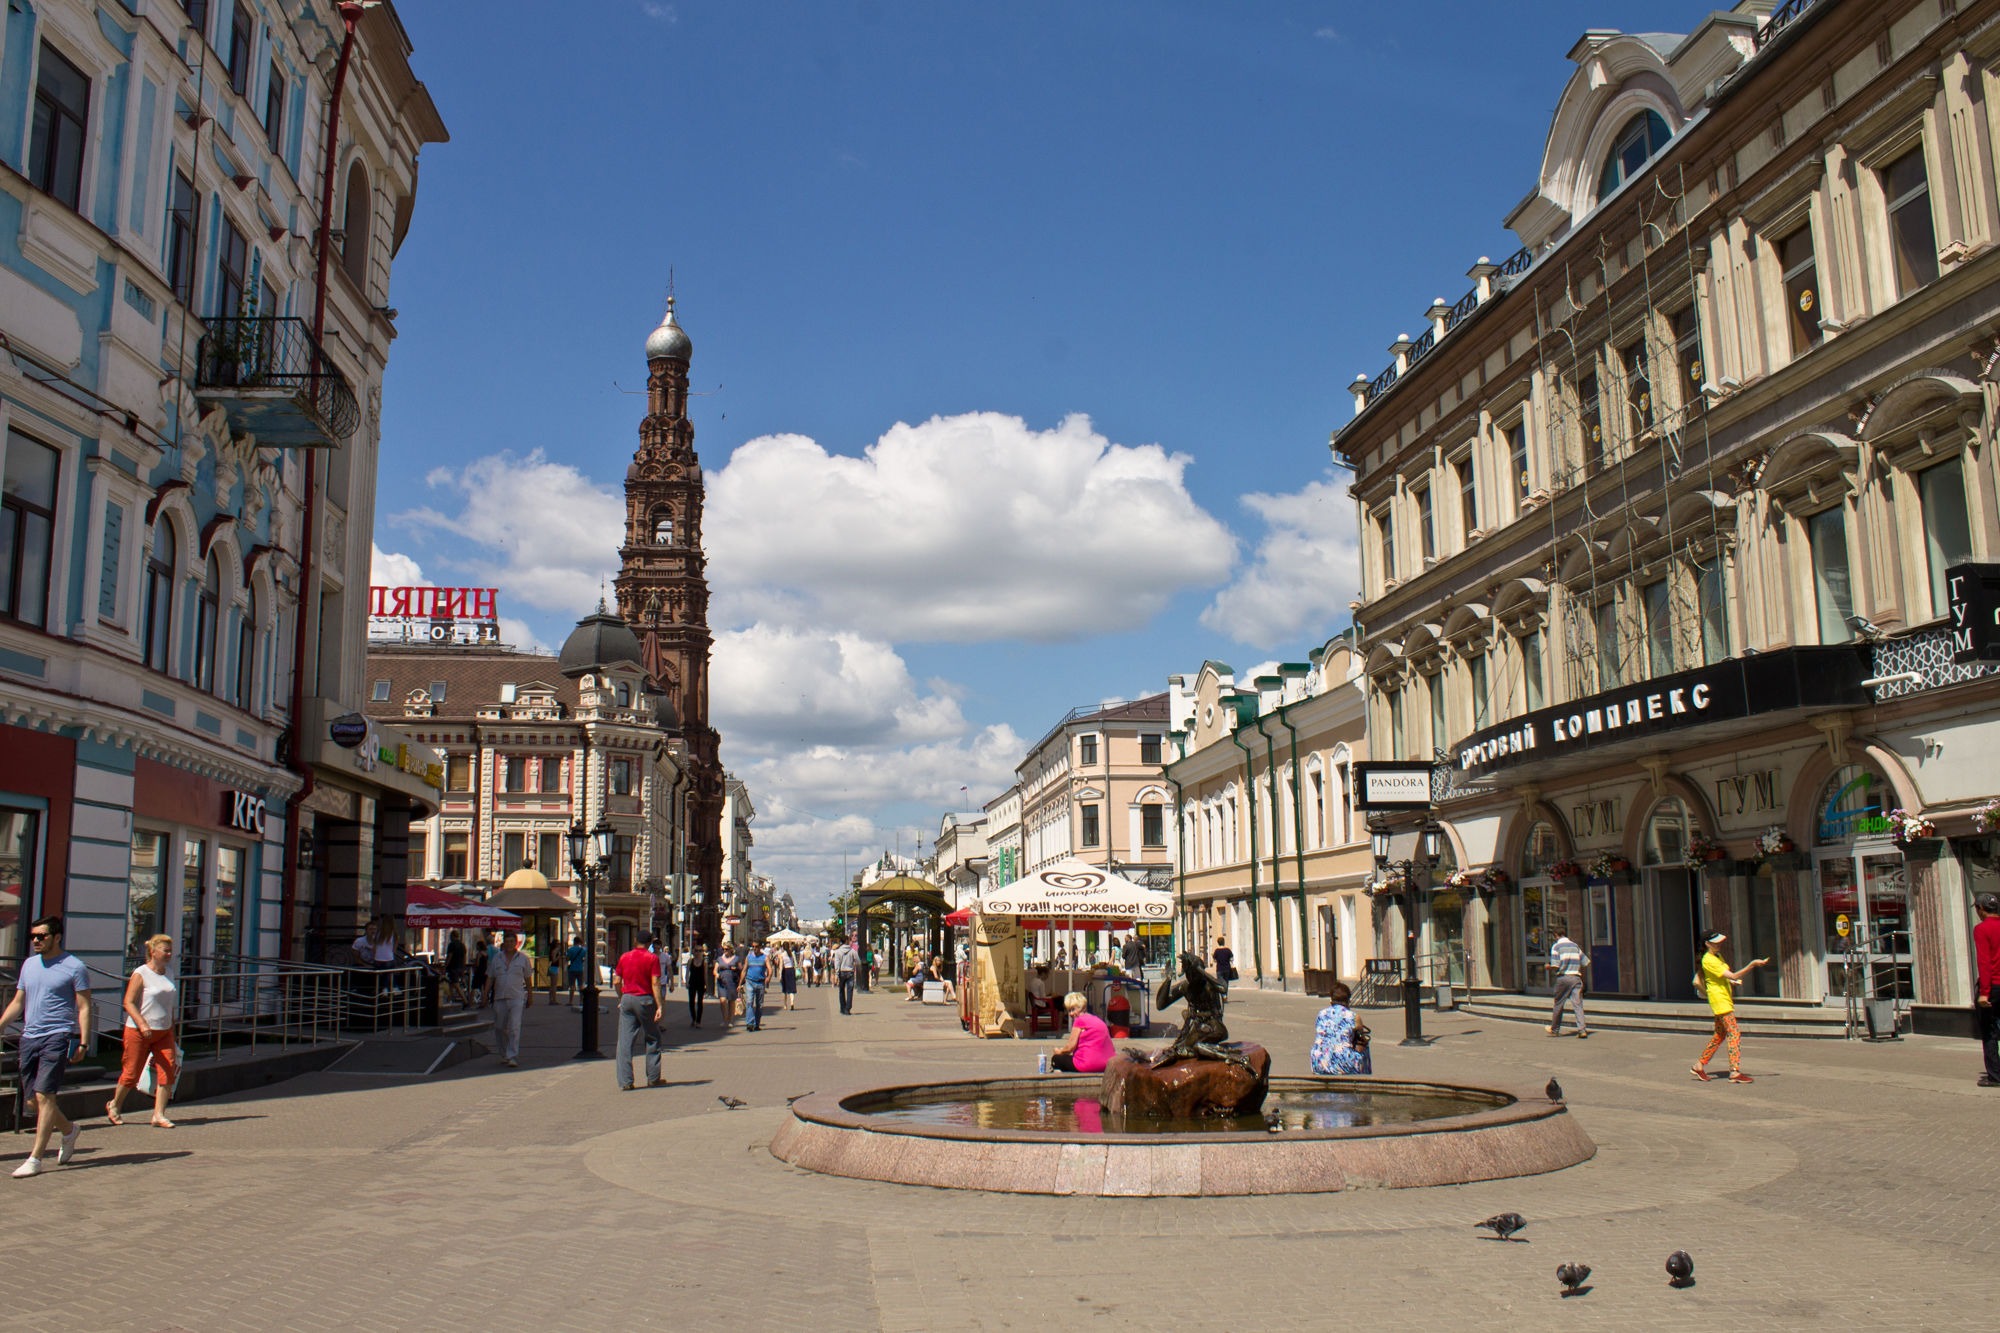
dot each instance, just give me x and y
(1335, 1050)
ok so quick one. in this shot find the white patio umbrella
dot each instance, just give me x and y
(1070, 889)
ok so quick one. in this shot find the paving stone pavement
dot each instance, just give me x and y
(1852, 1186)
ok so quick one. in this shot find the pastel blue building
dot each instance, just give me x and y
(189, 470)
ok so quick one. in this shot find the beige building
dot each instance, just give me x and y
(1091, 790)
(1657, 519)
(1272, 856)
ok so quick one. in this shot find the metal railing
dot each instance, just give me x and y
(1780, 19)
(277, 352)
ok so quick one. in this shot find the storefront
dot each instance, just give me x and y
(204, 862)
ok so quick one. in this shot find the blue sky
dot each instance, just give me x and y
(1034, 318)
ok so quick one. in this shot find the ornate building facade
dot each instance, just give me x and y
(662, 589)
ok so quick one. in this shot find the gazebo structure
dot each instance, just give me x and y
(911, 891)
(542, 910)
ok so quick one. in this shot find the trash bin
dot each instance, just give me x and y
(1447, 999)
(1881, 1019)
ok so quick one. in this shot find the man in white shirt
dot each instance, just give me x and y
(1568, 961)
(508, 990)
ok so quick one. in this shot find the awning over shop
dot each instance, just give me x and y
(1071, 892)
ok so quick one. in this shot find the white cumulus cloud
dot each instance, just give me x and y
(542, 532)
(967, 528)
(775, 686)
(1306, 570)
(391, 569)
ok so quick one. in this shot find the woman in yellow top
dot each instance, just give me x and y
(1718, 983)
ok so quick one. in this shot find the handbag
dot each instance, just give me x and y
(146, 1080)
(1362, 1036)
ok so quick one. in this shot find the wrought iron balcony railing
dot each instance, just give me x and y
(275, 382)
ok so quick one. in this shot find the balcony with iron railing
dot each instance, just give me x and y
(275, 382)
(1443, 319)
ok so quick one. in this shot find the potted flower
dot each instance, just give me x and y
(1703, 851)
(1493, 879)
(1609, 864)
(1564, 868)
(1774, 841)
(1907, 827)
(1987, 817)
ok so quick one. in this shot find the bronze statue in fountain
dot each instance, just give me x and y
(1202, 1075)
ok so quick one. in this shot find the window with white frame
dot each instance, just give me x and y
(1482, 690)
(207, 619)
(1687, 356)
(1712, 603)
(1606, 613)
(1913, 250)
(1947, 525)
(1468, 496)
(1517, 457)
(1798, 266)
(1385, 533)
(28, 484)
(1535, 682)
(1833, 590)
(56, 142)
(1658, 608)
(159, 613)
(1426, 524)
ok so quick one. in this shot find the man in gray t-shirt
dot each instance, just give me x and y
(53, 1003)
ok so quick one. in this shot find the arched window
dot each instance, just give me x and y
(354, 224)
(159, 617)
(246, 652)
(663, 529)
(208, 612)
(1668, 831)
(1315, 803)
(1644, 135)
(1538, 850)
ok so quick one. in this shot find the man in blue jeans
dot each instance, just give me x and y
(844, 962)
(640, 1005)
(756, 975)
(54, 995)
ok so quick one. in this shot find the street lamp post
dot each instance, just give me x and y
(1429, 837)
(582, 847)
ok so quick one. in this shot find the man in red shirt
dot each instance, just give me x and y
(1986, 948)
(640, 1005)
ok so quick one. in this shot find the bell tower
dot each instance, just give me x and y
(662, 589)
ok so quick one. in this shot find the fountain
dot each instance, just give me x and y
(1200, 1117)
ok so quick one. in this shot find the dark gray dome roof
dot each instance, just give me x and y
(599, 640)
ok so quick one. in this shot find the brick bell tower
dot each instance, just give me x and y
(662, 589)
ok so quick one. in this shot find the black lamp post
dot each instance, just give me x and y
(581, 846)
(1429, 841)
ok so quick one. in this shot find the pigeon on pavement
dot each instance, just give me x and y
(732, 1103)
(1504, 1225)
(1573, 1276)
(1680, 1269)
(1555, 1092)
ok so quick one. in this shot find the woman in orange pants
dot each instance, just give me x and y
(151, 1009)
(1718, 983)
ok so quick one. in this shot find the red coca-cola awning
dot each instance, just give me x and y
(962, 917)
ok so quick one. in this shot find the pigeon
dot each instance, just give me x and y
(1504, 1225)
(732, 1103)
(1573, 1276)
(798, 1097)
(1555, 1092)
(1680, 1269)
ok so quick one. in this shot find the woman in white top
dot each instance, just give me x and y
(152, 1002)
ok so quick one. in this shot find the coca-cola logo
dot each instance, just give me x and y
(1072, 883)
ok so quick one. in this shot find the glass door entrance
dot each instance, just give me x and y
(1544, 916)
(1867, 890)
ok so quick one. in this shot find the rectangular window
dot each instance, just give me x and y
(1440, 723)
(1590, 408)
(274, 111)
(27, 528)
(207, 612)
(1385, 526)
(1947, 525)
(1638, 386)
(110, 562)
(1687, 357)
(457, 856)
(241, 34)
(1531, 669)
(513, 852)
(550, 777)
(1607, 643)
(1468, 497)
(1149, 749)
(458, 772)
(228, 906)
(514, 773)
(160, 596)
(1833, 592)
(1912, 233)
(145, 890)
(1659, 628)
(1800, 267)
(1395, 724)
(621, 776)
(549, 859)
(197, 12)
(380, 693)
(246, 661)
(417, 858)
(1482, 693)
(232, 265)
(437, 691)
(55, 149)
(194, 888)
(1086, 750)
(621, 863)
(1517, 456)
(1092, 834)
(1427, 524)
(1152, 824)
(180, 237)
(20, 877)
(1713, 599)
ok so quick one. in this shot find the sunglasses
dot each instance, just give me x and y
(39, 937)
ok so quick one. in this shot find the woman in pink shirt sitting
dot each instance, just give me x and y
(1088, 1049)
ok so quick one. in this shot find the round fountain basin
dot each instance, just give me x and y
(1048, 1135)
